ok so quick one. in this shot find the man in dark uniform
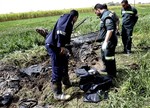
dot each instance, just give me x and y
(108, 37)
(129, 19)
(116, 19)
(55, 42)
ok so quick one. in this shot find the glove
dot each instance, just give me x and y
(104, 46)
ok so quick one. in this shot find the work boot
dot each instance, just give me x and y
(57, 89)
(128, 52)
(124, 50)
(66, 82)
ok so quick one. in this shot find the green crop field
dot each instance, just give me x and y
(19, 43)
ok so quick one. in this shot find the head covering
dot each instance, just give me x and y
(64, 21)
(74, 13)
(64, 26)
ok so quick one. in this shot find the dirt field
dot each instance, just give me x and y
(33, 89)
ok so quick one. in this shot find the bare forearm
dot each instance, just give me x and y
(108, 35)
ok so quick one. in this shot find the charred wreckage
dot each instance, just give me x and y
(85, 50)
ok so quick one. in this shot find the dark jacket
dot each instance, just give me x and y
(61, 34)
(129, 16)
(108, 23)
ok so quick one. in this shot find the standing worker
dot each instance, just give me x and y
(55, 42)
(108, 37)
(116, 19)
(129, 19)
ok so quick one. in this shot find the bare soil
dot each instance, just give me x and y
(35, 89)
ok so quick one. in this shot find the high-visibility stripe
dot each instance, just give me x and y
(101, 21)
(130, 12)
(110, 14)
(110, 58)
(61, 32)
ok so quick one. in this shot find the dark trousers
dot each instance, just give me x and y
(59, 64)
(108, 58)
(127, 38)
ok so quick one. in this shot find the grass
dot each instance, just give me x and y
(36, 14)
(20, 45)
(21, 35)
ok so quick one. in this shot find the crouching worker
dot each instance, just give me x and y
(55, 45)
